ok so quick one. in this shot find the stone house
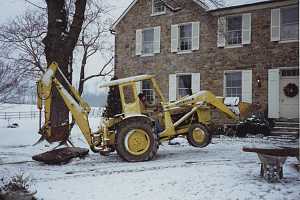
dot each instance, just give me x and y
(249, 51)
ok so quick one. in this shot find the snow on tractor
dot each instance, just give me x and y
(136, 132)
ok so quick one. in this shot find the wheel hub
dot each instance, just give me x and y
(199, 135)
(137, 142)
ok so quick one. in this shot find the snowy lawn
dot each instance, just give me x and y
(179, 172)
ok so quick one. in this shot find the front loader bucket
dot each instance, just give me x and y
(245, 109)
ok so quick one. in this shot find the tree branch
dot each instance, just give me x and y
(101, 71)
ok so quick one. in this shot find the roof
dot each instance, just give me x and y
(209, 5)
(228, 4)
(233, 5)
(126, 80)
(172, 4)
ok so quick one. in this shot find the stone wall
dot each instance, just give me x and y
(209, 60)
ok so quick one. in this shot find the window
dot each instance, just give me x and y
(234, 30)
(148, 40)
(128, 94)
(233, 84)
(290, 72)
(289, 23)
(147, 89)
(184, 85)
(158, 7)
(185, 37)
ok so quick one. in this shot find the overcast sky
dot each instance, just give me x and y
(10, 8)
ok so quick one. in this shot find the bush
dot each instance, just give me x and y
(17, 188)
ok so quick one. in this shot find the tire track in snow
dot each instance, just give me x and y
(105, 172)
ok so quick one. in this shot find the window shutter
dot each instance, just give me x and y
(221, 31)
(224, 85)
(275, 24)
(273, 93)
(195, 35)
(246, 28)
(172, 87)
(247, 86)
(196, 82)
(174, 38)
(156, 42)
(139, 87)
(138, 42)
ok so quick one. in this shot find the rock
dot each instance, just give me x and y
(61, 156)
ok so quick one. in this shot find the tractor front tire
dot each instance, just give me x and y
(198, 136)
(136, 141)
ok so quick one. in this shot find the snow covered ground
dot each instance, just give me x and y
(179, 172)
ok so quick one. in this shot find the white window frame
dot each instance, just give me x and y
(179, 47)
(247, 84)
(151, 89)
(222, 40)
(225, 82)
(287, 40)
(140, 41)
(157, 13)
(226, 31)
(142, 45)
(177, 83)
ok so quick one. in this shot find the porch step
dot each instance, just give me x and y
(280, 133)
(295, 120)
(286, 127)
(287, 124)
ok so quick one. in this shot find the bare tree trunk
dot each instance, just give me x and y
(82, 72)
(59, 45)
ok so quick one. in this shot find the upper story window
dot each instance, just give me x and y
(289, 23)
(158, 7)
(285, 24)
(185, 37)
(148, 40)
(234, 30)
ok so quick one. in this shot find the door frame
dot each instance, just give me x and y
(280, 82)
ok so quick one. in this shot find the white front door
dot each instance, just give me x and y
(288, 106)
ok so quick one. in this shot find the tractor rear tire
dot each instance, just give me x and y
(198, 136)
(136, 141)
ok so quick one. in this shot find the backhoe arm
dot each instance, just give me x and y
(76, 105)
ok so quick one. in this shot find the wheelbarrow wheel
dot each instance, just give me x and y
(136, 141)
(198, 136)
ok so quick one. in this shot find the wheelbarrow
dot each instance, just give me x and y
(272, 160)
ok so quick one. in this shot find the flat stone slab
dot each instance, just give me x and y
(274, 151)
(61, 156)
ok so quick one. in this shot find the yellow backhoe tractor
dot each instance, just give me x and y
(134, 133)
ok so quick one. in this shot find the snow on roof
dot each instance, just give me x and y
(231, 3)
(206, 4)
(126, 80)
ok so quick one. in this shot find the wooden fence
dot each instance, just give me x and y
(95, 112)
